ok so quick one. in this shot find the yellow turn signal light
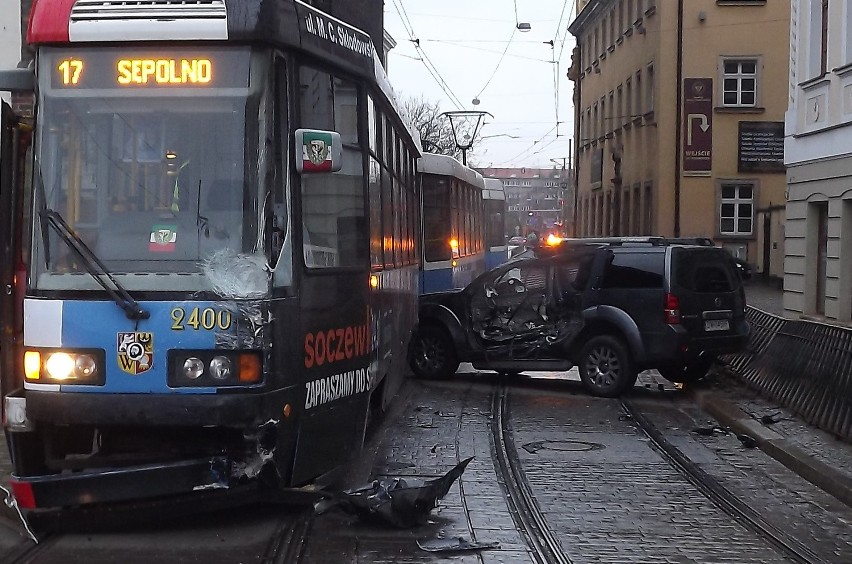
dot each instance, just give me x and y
(32, 365)
(374, 281)
(553, 240)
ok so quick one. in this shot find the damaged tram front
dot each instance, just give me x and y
(200, 307)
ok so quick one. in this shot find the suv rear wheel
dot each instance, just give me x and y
(606, 368)
(433, 354)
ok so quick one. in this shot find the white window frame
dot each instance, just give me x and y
(847, 18)
(739, 76)
(737, 200)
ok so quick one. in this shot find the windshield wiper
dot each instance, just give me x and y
(94, 266)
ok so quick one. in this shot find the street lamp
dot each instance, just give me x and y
(460, 125)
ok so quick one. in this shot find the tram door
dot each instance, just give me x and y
(334, 273)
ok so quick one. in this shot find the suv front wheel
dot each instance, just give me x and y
(606, 368)
(433, 354)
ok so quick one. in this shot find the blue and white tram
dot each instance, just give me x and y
(453, 249)
(222, 268)
(494, 201)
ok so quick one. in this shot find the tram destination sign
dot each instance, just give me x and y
(126, 69)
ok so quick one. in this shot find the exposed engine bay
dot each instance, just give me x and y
(524, 312)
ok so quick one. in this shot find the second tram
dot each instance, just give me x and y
(222, 250)
(453, 249)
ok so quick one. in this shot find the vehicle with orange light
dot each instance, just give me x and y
(454, 224)
(220, 244)
(611, 307)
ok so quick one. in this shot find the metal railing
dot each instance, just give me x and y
(805, 366)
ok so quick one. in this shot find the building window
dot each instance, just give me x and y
(739, 83)
(817, 38)
(736, 209)
(649, 85)
(639, 107)
(823, 50)
(848, 33)
(648, 209)
(620, 106)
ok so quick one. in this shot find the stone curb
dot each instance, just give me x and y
(783, 450)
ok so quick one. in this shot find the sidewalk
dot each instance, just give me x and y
(813, 454)
(768, 297)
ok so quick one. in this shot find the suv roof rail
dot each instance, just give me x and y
(654, 241)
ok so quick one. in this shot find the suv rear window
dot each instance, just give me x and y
(634, 270)
(704, 271)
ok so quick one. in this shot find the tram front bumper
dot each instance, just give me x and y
(121, 484)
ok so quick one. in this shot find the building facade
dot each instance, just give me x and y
(818, 154)
(10, 36)
(680, 122)
(537, 199)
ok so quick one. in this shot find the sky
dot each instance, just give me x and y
(474, 48)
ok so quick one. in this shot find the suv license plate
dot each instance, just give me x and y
(716, 325)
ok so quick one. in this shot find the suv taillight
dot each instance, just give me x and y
(672, 309)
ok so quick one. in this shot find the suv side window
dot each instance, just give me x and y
(634, 270)
(573, 274)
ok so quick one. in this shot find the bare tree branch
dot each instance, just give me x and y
(436, 135)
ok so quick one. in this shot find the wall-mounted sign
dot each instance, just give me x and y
(697, 126)
(761, 146)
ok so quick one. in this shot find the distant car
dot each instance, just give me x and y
(612, 307)
(517, 240)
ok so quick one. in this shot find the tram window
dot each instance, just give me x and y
(387, 219)
(397, 223)
(281, 248)
(404, 212)
(371, 125)
(389, 137)
(335, 228)
(376, 252)
(380, 136)
(437, 231)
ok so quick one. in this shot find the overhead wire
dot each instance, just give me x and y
(528, 149)
(430, 67)
(499, 62)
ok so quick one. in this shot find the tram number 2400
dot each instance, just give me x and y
(200, 318)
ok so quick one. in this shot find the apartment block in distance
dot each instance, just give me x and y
(818, 265)
(537, 199)
(680, 122)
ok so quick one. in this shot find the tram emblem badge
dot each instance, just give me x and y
(135, 352)
(316, 148)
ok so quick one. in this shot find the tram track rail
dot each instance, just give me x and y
(528, 517)
(290, 540)
(718, 494)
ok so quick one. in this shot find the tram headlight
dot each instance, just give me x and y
(59, 366)
(193, 368)
(85, 366)
(220, 368)
(216, 368)
(65, 366)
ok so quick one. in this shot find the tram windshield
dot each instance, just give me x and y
(154, 160)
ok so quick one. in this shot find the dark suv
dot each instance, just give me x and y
(612, 307)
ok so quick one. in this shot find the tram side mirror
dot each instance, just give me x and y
(318, 151)
(17, 80)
